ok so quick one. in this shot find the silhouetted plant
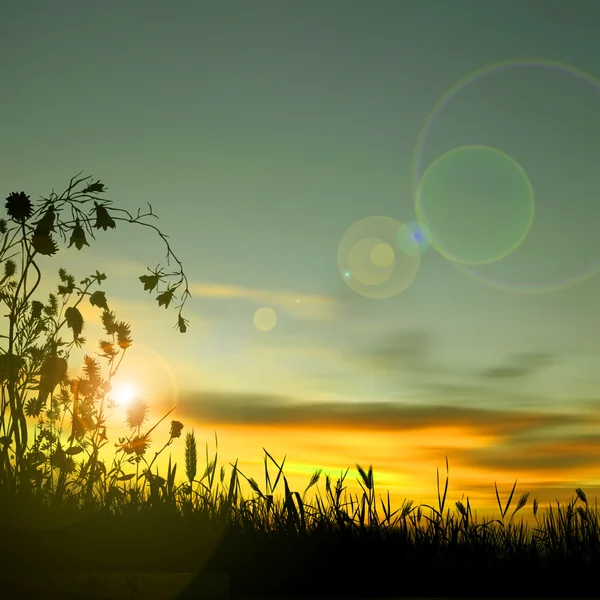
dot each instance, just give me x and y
(34, 353)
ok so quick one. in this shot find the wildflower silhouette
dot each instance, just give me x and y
(19, 207)
(34, 353)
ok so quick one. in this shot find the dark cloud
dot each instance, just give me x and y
(520, 366)
(553, 452)
(407, 356)
(405, 350)
(506, 372)
(527, 440)
(258, 409)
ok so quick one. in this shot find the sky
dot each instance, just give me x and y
(406, 191)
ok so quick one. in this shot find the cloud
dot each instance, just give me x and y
(524, 440)
(273, 409)
(519, 366)
(405, 356)
(304, 306)
(404, 350)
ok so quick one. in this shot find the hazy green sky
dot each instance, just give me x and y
(261, 131)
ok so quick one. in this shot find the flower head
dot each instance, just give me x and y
(103, 219)
(176, 428)
(136, 413)
(18, 206)
(78, 236)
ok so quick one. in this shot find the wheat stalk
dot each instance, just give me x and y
(191, 456)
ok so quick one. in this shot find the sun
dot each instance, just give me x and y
(123, 392)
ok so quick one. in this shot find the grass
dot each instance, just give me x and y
(338, 545)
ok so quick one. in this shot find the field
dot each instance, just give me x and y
(209, 540)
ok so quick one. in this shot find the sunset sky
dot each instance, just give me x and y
(262, 133)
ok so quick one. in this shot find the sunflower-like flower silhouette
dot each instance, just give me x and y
(136, 413)
(18, 206)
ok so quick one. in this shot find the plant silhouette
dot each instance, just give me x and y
(35, 351)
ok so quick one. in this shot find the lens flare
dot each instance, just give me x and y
(418, 171)
(372, 263)
(415, 237)
(265, 319)
(478, 204)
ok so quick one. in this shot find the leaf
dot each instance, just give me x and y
(149, 281)
(52, 372)
(165, 298)
(74, 320)
(126, 477)
(73, 450)
(99, 299)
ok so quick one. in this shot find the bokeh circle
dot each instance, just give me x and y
(371, 260)
(418, 167)
(265, 319)
(478, 204)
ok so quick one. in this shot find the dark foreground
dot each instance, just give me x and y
(271, 567)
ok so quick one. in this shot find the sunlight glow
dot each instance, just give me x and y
(123, 393)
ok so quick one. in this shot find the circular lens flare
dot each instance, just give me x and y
(478, 204)
(418, 167)
(370, 260)
(265, 319)
(382, 255)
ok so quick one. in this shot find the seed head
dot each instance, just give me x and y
(136, 413)
(191, 456)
